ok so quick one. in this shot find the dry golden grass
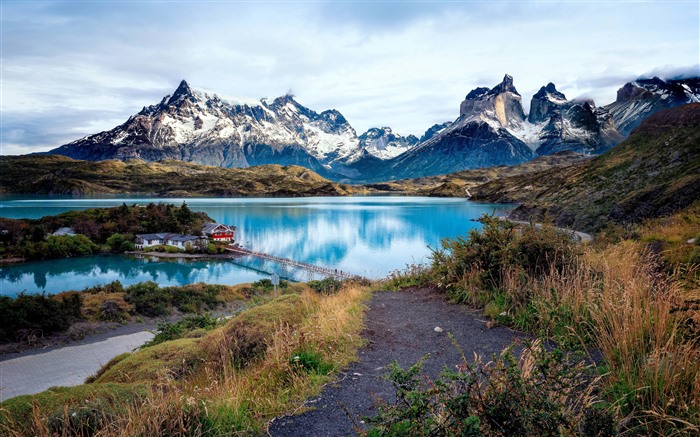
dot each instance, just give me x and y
(619, 300)
(220, 395)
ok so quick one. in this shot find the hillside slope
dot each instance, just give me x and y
(654, 172)
(54, 174)
(456, 184)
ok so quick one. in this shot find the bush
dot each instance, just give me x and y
(148, 299)
(327, 286)
(172, 331)
(165, 249)
(412, 276)
(58, 246)
(543, 393)
(308, 361)
(30, 315)
(121, 243)
(498, 248)
(151, 300)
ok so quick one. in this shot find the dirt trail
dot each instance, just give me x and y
(400, 326)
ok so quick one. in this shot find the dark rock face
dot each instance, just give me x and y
(467, 145)
(643, 97)
(502, 103)
(545, 103)
(434, 130)
(579, 127)
(570, 125)
(478, 138)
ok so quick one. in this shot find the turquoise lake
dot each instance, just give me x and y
(368, 236)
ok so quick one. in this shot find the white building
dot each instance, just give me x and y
(176, 240)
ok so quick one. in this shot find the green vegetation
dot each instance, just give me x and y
(98, 229)
(191, 326)
(30, 315)
(540, 394)
(229, 380)
(626, 298)
(33, 315)
(93, 401)
(327, 285)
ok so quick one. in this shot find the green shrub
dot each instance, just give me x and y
(543, 393)
(266, 286)
(172, 331)
(328, 285)
(111, 287)
(413, 275)
(121, 243)
(37, 314)
(309, 361)
(151, 300)
(148, 299)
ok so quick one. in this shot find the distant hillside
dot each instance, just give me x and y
(55, 174)
(456, 184)
(654, 172)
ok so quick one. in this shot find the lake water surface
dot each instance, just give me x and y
(369, 236)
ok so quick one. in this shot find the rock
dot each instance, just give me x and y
(438, 329)
(691, 241)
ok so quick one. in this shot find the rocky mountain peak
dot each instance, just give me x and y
(383, 143)
(505, 86)
(643, 97)
(500, 106)
(183, 91)
(546, 103)
(549, 92)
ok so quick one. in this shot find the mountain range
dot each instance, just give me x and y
(492, 129)
(652, 173)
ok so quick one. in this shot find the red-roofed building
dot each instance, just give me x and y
(219, 232)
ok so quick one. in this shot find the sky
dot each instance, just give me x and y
(74, 68)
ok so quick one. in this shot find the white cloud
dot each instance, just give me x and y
(403, 65)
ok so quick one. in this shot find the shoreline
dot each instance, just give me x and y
(182, 255)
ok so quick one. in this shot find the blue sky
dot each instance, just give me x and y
(74, 68)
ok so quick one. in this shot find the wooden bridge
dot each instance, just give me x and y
(335, 273)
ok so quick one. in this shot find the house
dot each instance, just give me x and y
(176, 240)
(66, 231)
(184, 241)
(218, 232)
(148, 240)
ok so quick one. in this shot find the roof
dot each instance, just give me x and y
(208, 228)
(179, 237)
(153, 236)
(64, 231)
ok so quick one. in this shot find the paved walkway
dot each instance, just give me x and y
(66, 366)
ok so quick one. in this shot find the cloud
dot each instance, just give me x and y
(73, 66)
(668, 72)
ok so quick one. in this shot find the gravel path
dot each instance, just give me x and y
(400, 326)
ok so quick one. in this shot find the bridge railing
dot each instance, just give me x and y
(286, 261)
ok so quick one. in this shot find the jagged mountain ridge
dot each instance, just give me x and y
(492, 129)
(638, 99)
(199, 126)
(653, 172)
(385, 144)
